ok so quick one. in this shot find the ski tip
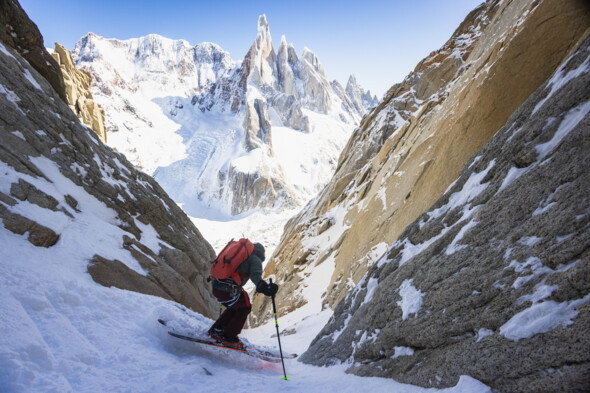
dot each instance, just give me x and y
(162, 321)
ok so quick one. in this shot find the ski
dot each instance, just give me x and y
(254, 352)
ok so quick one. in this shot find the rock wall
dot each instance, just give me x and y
(43, 142)
(77, 85)
(492, 280)
(411, 147)
(20, 33)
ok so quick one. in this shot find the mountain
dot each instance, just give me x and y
(75, 202)
(221, 134)
(409, 185)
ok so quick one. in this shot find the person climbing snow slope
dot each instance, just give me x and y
(238, 262)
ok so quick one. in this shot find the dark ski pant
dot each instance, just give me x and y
(234, 317)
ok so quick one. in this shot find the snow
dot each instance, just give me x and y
(470, 190)
(532, 264)
(541, 318)
(569, 122)
(5, 51)
(11, 96)
(371, 287)
(453, 247)
(62, 332)
(93, 214)
(29, 77)
(19, 134)
(530, 240)
(411, 299)
(513, 174)
(155, 118)
(483, 333)
(402, 351)
(560, 79)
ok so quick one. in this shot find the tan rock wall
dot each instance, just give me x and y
(77, 85)
(411, 147)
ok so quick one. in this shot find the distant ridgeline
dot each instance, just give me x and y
(211, 129)
(453, 238)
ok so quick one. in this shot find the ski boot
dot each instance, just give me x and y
(233, 342)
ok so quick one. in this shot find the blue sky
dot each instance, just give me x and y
(378, 41)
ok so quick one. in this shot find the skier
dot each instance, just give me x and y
(236, 300)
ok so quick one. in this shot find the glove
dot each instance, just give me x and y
(267, 289)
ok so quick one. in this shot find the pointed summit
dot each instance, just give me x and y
(262, 24)
(262, 57)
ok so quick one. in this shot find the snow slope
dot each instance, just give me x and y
(64, 333)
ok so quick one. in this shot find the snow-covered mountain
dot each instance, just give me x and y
(233, 136)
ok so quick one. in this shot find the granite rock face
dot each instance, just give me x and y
(45, 153)
(492, 280)
(20, 33)
(411, 147)
(77, 85)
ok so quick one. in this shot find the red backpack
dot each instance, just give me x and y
(228, 260)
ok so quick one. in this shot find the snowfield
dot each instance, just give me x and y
(61, 332)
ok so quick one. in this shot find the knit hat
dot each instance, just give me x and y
(259, 251)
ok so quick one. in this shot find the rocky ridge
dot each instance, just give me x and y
(411, 147)
(58, 176)
(21, 34)
(77, 85)
(492, 280)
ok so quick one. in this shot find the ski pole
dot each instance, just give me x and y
(274, 310)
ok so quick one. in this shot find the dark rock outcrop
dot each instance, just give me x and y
(20, 33)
